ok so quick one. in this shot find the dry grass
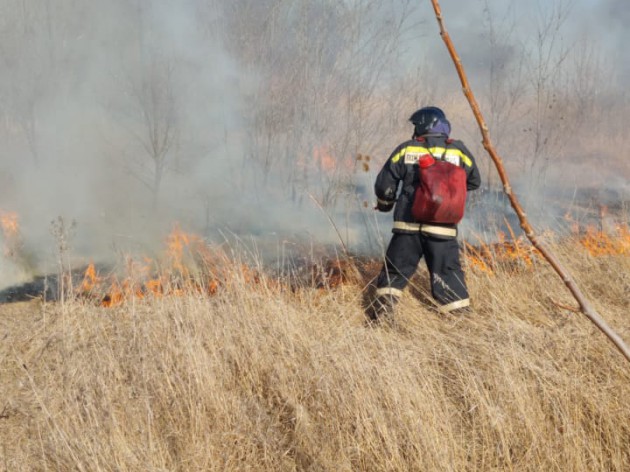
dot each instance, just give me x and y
(254, 378)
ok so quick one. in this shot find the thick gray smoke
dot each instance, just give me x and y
(125, 118)
(246, 117)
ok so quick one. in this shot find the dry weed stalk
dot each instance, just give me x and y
(63, 232)
(547, 253)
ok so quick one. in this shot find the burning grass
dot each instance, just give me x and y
(516, 253)
(190, 266)
(256, 376)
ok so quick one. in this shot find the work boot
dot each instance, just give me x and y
(382, 308)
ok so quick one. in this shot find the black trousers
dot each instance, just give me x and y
(448, 286)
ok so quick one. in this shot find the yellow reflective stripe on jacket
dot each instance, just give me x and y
(436, 152)
(407, 149)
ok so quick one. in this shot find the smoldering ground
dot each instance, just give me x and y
(127, 117)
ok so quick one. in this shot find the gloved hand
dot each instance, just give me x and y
(384, 205)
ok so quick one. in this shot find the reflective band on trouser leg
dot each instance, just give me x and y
(455, 305)
(394, 292)
(385, 301)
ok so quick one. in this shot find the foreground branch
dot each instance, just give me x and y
(585, 306)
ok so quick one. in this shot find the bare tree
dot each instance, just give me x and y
(157, 131)
(148, 104)
(506, 86)
(38, 61)
(26, 69)
(330, 90)
(547, 58)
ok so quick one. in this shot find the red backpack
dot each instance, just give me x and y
(440, 196)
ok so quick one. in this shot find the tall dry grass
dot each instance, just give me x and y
(255, 378)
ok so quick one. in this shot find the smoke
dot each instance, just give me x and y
(125, 118)
(128, 116)
(614, 21)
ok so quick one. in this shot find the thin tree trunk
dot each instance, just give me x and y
(585, 305)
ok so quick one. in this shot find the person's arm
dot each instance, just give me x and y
(387, 181)
(473, 177)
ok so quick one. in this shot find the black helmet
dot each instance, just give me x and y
(428, 120)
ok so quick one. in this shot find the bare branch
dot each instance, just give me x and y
(585, 305)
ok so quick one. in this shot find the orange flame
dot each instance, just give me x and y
(186, 259)
(90, 279)
(190, 266)
(324, 158)
(479, 258)
(10, 229)
(518, 254)
(9, 224)
(512, 255)
(600, 243)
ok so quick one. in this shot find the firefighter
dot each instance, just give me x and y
(395, 187)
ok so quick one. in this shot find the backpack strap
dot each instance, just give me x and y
(446, 143)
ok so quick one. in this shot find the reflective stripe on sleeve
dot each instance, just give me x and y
(385, 202)
(397, 156)
(389, 291)
(455, 305)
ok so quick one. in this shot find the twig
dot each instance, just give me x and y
(343, 245)
(585, 305)
(574, 309)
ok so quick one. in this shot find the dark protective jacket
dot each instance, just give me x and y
(402, 170)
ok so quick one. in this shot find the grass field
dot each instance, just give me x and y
(256, 377)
